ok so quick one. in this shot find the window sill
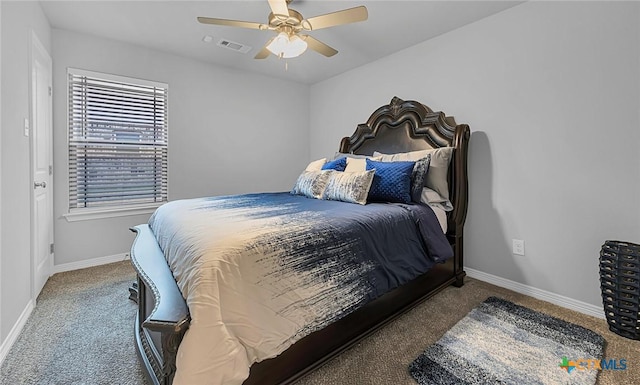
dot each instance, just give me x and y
(103, 213)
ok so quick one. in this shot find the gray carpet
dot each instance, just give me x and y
(81, 332)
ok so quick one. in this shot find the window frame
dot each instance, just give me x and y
(109, 211)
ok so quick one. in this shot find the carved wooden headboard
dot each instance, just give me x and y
(403, 126)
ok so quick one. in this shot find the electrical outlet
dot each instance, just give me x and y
(518, 246)
(25, 127)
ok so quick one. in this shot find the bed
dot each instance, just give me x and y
(163, 314)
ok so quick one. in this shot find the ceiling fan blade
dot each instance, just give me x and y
(318, 46)
(264, 52)
(279, 7)
(345, 16)
(232, 23)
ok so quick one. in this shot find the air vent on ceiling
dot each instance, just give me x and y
(232, 45)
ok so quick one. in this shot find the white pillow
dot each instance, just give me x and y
(358, 164)
(316, 165)
(438, 168)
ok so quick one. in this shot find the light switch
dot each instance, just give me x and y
(26, 127)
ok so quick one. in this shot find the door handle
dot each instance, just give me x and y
(41, 184)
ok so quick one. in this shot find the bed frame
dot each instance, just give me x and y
(400, 126)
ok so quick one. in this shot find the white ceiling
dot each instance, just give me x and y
(171, 26)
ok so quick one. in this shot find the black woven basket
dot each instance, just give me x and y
(620, 284)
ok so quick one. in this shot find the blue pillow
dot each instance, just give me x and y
(338, 164)
(391, 182)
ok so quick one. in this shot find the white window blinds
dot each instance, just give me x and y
(117, 141)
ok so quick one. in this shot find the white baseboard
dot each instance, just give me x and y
(22, 320)
(89, 263)
(15, 331)
(557, 299)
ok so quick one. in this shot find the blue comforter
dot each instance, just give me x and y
(261, 271)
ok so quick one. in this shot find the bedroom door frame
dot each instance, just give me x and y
(41, 165)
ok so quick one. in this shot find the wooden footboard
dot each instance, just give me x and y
(163, 316)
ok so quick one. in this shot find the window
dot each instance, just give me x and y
(117, 142)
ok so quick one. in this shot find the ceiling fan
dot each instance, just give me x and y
(288, 24)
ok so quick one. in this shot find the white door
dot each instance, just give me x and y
(42, 166)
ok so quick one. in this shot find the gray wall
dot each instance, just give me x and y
(18, 20)
(551, 93)
(227, 134)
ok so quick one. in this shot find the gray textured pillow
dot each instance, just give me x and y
(312, 183)
(432, 198)
(419, 177)
(438, 167)
(352, 187)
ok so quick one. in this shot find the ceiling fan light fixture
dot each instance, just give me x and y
(287, 46)
(288, 23)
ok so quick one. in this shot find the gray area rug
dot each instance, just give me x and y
(500, 342)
